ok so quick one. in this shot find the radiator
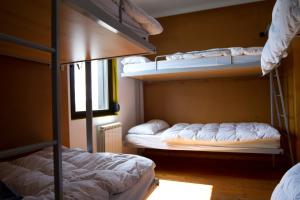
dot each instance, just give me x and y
(109, 138)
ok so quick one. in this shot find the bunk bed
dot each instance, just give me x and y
(248, 137)
(236, 61)
(258, 138)
(81, 30)
(285, 26)
(229, 62)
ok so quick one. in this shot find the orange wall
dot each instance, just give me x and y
(223, 27)
(210, 100)
(291, 67)
(26, 115)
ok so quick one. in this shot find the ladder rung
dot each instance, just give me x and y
(26, 43)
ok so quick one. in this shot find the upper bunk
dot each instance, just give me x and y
(226, 62)
(89, 29)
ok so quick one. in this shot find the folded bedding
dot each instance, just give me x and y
(251, 51)
(85, 175)
(285, 25)
(233, 51)
(149, 23)
(132, 16)
(223, 134)
(198, 54)
(289, 186)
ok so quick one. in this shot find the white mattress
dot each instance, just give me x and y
(132, 17)
(289, 186)
(190, 63)
(224, 134)
(267, 140)
(85, 175)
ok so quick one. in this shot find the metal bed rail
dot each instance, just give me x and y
(55, 79)
(26, 43)
(89, 103)
(56, 115)
(25, 149)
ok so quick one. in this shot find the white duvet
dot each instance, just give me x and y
(85, 175)
(285, 25)
(199, 54)
(215, 133)
(289, 186)
(233, 51)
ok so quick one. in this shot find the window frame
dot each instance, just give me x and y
(96, 113)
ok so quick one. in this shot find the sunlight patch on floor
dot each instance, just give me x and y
(176, 190)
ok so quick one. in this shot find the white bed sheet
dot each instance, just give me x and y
(154, 142)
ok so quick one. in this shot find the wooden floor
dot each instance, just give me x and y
(231, 179)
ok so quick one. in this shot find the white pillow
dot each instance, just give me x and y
(134, 60)
(149, 128)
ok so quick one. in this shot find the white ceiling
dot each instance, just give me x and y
(161, 8)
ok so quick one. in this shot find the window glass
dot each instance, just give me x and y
(100, 86)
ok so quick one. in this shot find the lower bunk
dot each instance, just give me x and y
(251, 137)
(85, 175)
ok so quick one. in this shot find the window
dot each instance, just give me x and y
(101, 89)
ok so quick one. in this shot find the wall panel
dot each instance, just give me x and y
(26, 112)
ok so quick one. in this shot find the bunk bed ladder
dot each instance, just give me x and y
(276, 96)
(55, 78)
